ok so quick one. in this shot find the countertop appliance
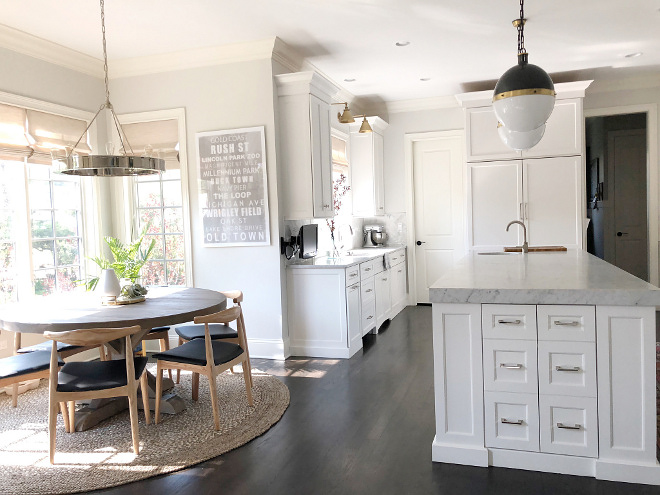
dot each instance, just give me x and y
(374, 236)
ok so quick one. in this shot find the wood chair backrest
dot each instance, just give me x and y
(235, 295)
(91, 336)
(224, 316)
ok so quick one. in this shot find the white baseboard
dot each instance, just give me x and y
(546, 463)
(268, 348)
(459, 454)
(647, 474)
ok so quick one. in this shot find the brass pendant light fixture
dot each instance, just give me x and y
(110, 165)
(346, 117)
(524, 96)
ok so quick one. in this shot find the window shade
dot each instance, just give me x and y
(47, 131)
(13, 142)
(161, 135)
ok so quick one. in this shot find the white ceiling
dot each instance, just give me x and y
(459, 45)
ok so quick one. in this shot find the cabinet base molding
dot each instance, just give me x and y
(459, 454)
(323, 352)
(647, 474)
(269, 349)
(539, 461)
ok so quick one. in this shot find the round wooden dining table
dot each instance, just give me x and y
(164, 306)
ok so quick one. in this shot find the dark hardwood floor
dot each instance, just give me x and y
(361, 426)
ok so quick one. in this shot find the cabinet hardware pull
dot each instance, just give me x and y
(511, 366)
(394, 259)
(400, 271)
(354, 288)
(560, 323)
(522, 214)
(566, 368)
(509, 322)
(370, 317)
(385, 280)
(367, 269)
(369, 290)
(527, 211)
(353, 275)
(325, 207)
(512, 422)
(569, 427)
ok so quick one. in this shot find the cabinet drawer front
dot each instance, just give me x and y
(368, 316)
(352, 275)
(508, 321)
(569, 425)
(368, 289)
(573, 323)
(567, 368)
(366, 269)
(510, 366)
(511, 421)
(379, 266)
(397, 257)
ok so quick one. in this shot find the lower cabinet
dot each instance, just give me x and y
(383, 298)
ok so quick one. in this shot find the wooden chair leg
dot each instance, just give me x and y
(214, 400)
(65, 417)
(52, 428)
(248, 384)
(178, 371)
(132, 408)
(102, 355)
(159, 392)
(143, 352)
(14, 395)
(72, 415)
(195, 386)
(144, 390)
(165, 346)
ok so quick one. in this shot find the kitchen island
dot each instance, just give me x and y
(546, 362)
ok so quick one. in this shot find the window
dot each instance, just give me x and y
(11, 174)
(340, 175)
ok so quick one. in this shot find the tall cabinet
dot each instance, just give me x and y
(305, 145)
(367, 168)
(543, 187)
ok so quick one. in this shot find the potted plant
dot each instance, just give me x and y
(127, 262)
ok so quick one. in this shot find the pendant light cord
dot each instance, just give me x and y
(521, 29)
(105, 56)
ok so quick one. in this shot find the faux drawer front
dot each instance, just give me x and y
(366, 269)
(510, 366)
(398, 257)
(569, 425)
(572, 323)
(368, 315)
(368, 289)
(508, 321)
(352, 275)
(567, 368)
(511, 421)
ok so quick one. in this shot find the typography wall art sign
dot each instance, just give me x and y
(233, 187)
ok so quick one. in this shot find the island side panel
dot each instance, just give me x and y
(458, 378)
(626, 393)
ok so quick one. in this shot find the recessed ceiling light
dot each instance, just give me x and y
(424, 79)
(349, 79)
(402, 43)
(634, 55)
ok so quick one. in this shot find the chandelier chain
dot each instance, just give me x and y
(521, 28)
(105, 55)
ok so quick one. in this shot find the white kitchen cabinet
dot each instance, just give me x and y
(368, 297)
(482, 139)
(305, 144)
(366, 168)
(398, 287)
(383, 297)
(543, 193)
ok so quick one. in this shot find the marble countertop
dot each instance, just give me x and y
(572, 277)
(357, 256)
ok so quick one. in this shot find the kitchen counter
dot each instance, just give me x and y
(572, 277)
(361, 255)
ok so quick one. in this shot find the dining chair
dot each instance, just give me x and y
(64, 350)
(22, 367)
(217, 331)
(96, 379)
(207, 357)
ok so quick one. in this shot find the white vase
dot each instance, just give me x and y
(108, 285)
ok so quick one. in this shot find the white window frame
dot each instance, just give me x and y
(130, 219)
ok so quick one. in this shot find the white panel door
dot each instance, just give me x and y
(439, 209)
(496, 199)
(553, 209)
(321, 158)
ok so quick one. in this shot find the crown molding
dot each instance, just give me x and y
(39, 48)
(287, 56)
(565, 90)
(420, 104)
(44, 106)
(626, 84)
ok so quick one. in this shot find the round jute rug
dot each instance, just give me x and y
(102, 456)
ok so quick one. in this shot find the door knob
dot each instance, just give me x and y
(419, 243)
(619, 234)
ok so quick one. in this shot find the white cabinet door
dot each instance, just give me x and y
(552, 193)
(496, 198)
(483, 140)
(321, 158)
(366, 168)
(398, 289)
(563, 131)
(353, 317)
(383, 298)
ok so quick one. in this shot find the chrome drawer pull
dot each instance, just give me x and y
(517, 422)
(353, 275)
(355, 288)
(567, 323)
(394, 259)
(367, 269)
(385, 279)
(400, 271)
(509, 322)
(369, 290)
(370, 317)
(511, 366)
(566, 368)
(569, 427)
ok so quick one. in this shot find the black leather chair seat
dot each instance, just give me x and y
(23, 364)
(47, 346)
(96, 375)
(194, 352)
(158, 330)
(217, 331)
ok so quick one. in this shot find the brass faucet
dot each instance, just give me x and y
(525, 246)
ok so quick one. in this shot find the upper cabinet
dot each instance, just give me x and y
(305, 147)
(366, 166)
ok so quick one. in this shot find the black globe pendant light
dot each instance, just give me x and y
(524, 96)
